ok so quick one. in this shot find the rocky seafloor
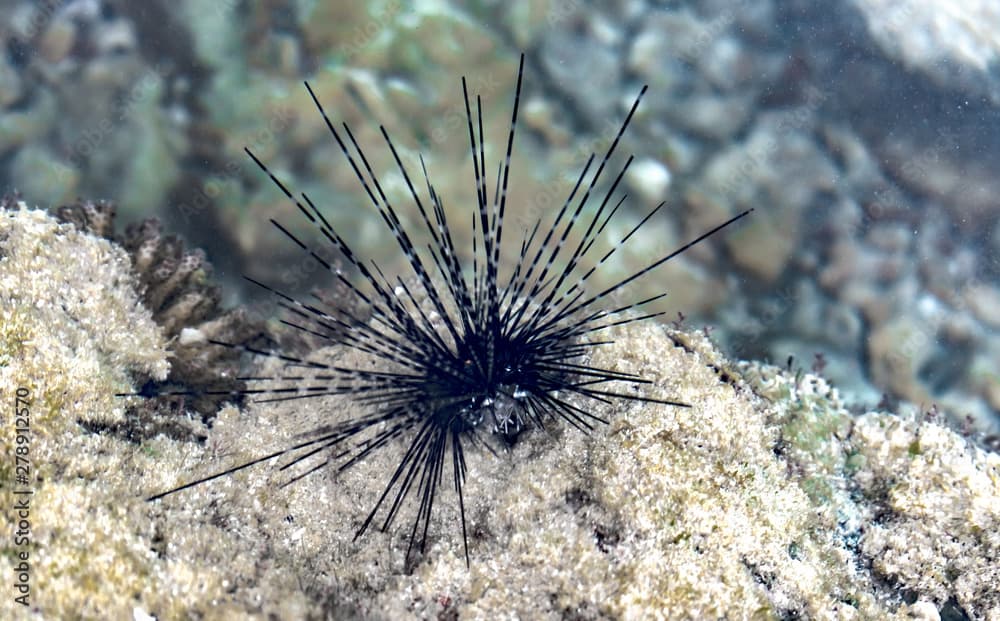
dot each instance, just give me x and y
(861, 132)
(765, 499)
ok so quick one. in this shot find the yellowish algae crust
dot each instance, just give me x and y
(669, 513)
(71, 328)
(941, 536)
(917, 501)
(742, 506)
(764, 499)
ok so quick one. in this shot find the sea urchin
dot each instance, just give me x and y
(464, 352)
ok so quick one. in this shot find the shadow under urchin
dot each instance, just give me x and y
(466, 355)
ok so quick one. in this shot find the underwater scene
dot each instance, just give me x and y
(550, 309)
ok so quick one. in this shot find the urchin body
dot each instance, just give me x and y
(492, 383)
(464, 352)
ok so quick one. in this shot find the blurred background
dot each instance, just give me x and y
(864, 133)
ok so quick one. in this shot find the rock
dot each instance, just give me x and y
(984, 302)
(952, 42)
(650, 179)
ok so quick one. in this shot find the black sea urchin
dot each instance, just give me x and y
(462, 351)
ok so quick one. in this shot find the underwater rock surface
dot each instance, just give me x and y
(765, 499)
(953, 42)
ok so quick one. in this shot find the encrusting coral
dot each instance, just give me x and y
(913, 500)
(71, 330)
(73, 324)
(765, 499)
(175, 284)
(937, 504)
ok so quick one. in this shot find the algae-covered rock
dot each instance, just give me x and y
(71, 331)
(937, 499)
(912, 499)
(764, 499)
(72, 324)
